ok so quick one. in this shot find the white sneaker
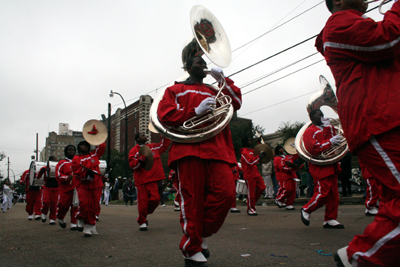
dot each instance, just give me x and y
(43, 217)
(371, 212)
(341, 258)
(37, 217)
(94, 232)
(252, 213)
(87, 230)
(30, 217)
(290, 207)
(52, 221)
(143, 227)
(333, 224)
(80, 225)
(163, 205)
(199, 257)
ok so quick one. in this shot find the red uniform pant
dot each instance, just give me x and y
(326, 193)
(372, 193)
(148, 200)
(234, 200)
(64, 203)
(256, 187)
(206, 191)
(33, 201)
(380, 243)
(49, 201)
(88, 204)
(287, 191)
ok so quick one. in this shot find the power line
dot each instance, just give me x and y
(278, 103)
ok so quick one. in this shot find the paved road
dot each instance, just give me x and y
(274, 238)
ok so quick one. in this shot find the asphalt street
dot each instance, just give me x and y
(275, 237)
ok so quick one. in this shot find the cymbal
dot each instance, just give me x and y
(145, 150)
(288, 147)
(151, 128)
(263, 148)
(94, 132)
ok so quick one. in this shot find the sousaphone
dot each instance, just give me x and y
(94, 132)
(209, 39)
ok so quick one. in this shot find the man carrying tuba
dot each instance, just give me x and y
(206, 184)
(319, 137)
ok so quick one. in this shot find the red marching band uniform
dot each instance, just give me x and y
(326, 192)
(285, 176)
(206, 186)
(66, 191)
(255, 183)
(89, 191)
(363, 56)
(146, 181)
(33, 197)
(49, 197)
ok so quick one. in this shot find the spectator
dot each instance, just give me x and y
(129, 191)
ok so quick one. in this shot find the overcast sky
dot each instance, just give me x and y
(60, 59)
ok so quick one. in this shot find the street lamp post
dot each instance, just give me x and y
(126, 133)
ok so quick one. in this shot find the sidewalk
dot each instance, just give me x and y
(354, 200)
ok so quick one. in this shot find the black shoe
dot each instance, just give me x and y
(304, 220)
(206, 253)
(87, 235)
(252, 214)
(235, 211)
(63, 225)
(189, 263)
(73, 228)
(143, 228)
(338, 226)
(80, 229)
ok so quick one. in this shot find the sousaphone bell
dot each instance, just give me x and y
(94, 132)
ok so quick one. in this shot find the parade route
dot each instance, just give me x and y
(275, 237)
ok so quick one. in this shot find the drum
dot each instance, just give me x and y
(75, 199)
(52, 169)
(241, 187)
(34, 168)
(103, 167)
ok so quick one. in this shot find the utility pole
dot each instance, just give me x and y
(8, 168)
(109, 138)
(37, 146)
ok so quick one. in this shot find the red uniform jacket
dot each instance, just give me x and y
(63, 170)
(316, 140)
(249, 163)
(177, 106)
(25, 180)
(363, 56)
(90, 161)
(157, 172)
(282, 171)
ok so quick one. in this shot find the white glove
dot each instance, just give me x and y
(217, 74)
(205, 105)
(325, 121)
(336, 140)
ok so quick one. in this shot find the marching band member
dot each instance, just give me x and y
(7, 195)
(285, 171)
(49, 194)
(67, 185)
(319, 137)
(363, 57)
(255, 183)
(203, 168)
(106, 192)
(236, 175)
(146, 182)
(33, 195)
(85, 168)
(174, 180)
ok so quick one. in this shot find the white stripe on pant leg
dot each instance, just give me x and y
(395, 232)
(248, 197)
(370, 193)
(182, 205)
(385, 158)
(318, 196)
